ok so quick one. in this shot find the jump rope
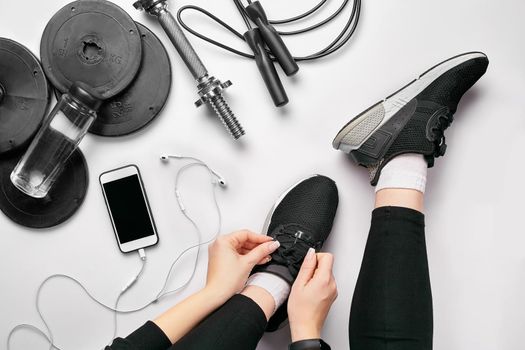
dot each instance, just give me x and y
(217, 181)
(266, 41)
(341, 39)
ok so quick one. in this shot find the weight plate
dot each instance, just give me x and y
(143, 100)
(92, 41)
(24, 95)
(62, 201)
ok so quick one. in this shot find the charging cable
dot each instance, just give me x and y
(216, 181)
(142, 255)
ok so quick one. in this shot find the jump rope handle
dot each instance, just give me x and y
(266, 67)
(274, 41)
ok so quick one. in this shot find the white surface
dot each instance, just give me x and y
(474, 200)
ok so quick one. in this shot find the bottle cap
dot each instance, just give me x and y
(86, 95)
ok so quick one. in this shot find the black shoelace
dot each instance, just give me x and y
(295, 241)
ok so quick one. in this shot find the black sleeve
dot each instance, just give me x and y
(147, 337)
(309, 344)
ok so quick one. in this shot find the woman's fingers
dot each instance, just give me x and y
(244, 251)
(323, 273)
(240, 238)
(265, 260)
(257, 238)
(307, 268)
(260, 252)
(247, 247)
(325, 262)
(250, 245)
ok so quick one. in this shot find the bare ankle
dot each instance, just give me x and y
(399, 197)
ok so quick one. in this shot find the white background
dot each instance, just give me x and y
(475, 195)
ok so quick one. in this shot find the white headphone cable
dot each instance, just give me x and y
(49, 336)
(162, 293)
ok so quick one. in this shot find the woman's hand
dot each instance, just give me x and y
(312, 295)
(231, 259)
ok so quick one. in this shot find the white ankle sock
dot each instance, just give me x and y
(407, 171)
(273, 284)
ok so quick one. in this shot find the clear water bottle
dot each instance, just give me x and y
(55, 142)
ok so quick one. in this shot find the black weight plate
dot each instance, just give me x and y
(24, 95)
(93, 41)
(143, 100)
(62, 201)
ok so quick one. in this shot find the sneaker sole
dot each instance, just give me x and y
(279, 200)
(359, 129)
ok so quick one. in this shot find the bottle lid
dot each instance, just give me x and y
(86, 95)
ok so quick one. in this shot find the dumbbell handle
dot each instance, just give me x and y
(182, 44)
(210, 89)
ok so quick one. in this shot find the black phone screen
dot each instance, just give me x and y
(129, 209)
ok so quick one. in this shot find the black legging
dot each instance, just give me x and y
(238, 324)
(392, 305)
(391, 309)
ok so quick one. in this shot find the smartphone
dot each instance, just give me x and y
(128, 208)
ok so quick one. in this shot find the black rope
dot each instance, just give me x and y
(342, 38)
(302, 16)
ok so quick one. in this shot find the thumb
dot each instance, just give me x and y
(307, 268)
(261, 251)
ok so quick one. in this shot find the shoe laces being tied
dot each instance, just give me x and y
(443, 122)
(295, 241)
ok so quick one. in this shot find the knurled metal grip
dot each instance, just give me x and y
(210, 89)
(181, 43)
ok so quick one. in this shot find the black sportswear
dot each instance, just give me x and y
(310, 344)
(392, 303)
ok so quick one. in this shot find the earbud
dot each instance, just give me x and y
(220, 180)
(166, 157)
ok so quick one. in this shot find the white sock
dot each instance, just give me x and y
(407, 171)
(273, 284)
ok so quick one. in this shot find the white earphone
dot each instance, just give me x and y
(220, 180)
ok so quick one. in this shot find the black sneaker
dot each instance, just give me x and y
(300, 219)
(413, 119)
